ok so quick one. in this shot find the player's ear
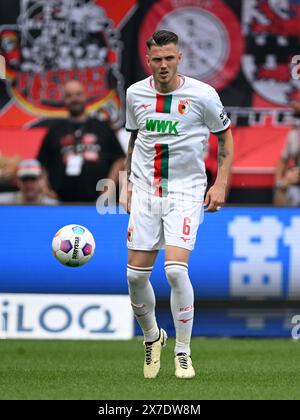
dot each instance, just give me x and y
(179, 57)
(148, 59)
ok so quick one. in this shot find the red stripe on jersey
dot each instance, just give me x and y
(157, 169)
(160, 100)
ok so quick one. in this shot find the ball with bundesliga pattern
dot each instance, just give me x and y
(73, 245)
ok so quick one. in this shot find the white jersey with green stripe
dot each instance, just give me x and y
(173, 130)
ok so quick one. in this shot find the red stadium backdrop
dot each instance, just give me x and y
(243, 48)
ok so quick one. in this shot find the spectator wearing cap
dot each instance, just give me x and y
(30, 183)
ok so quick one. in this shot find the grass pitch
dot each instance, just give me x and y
(112, 370)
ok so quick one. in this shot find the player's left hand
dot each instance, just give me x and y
(215, 198)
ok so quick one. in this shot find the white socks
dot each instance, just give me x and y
(143, 300)
(182, 304)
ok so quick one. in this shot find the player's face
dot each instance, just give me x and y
(30, 187)
(163, 62)
(75, 98)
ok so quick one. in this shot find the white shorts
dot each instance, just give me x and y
(158, 221)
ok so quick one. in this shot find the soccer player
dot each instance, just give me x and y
(170, 117)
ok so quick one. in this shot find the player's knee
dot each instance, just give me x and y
(177, 274)
(138, 276)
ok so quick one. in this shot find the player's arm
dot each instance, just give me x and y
(125, 197)
(216, 195)
(131, 144)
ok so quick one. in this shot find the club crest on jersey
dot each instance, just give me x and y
(129, 234)
(183, 106)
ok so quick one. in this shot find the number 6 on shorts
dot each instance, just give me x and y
(186, 226)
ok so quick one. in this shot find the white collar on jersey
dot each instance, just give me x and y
(182, 82)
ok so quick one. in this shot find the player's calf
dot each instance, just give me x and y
(143, 300)
(182, 304)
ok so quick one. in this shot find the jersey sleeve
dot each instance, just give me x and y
(215, 116)
(131, 123)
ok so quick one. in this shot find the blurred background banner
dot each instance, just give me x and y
(243, 48)
(256, 255)
(80, 317)
(47, 43)
(110, 317)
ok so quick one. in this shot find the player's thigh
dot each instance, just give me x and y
(175, 253)
(181, 223)
(145, 229)
(141, 258)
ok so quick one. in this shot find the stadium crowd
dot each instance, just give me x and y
(80, 150)
(74, 155)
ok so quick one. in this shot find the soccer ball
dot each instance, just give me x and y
(73, 245)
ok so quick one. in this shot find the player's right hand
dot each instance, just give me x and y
(214, 199)
(125, 196)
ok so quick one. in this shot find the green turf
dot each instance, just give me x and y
(226, 369)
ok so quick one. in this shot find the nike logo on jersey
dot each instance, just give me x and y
(145, 106)
(162, 126)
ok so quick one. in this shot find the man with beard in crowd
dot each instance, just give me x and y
(79, 151)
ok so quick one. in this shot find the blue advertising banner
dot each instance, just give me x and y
(240, 253)
(233, 322)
